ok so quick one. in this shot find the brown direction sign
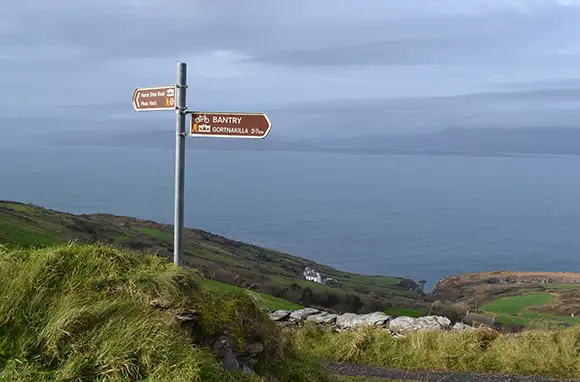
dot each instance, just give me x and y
(229, 125)
(157, 98)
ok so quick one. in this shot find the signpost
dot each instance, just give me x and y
(229, 125)
(203, 124)
(159, 98)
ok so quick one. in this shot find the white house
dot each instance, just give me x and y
(312, 275)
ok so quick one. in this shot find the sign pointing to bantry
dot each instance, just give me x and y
(159, 98)
(203, 124)
(229, 125)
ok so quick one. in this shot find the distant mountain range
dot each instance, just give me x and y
(471, 142)
(484, 141)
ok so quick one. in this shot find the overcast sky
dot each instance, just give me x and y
(314, 65)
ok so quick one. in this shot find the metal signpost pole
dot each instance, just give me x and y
(203, 124)
(180, 107)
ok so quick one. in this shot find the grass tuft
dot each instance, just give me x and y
(82, 312)
(554, 354)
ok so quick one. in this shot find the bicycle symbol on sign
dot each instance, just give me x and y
(202, 118)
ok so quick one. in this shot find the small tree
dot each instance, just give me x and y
(422, 283)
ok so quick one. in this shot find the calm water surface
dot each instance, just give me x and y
(422, 217)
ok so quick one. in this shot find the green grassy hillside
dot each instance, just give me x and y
(515, 304)
(92, 313)
(534, 308)
(267, 271)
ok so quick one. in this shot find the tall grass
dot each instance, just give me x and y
(555, 354)
(83, 312)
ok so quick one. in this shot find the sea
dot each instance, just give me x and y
(423, 217)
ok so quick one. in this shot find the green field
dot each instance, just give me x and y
(513, 310)
(515, 304)
(157, 234)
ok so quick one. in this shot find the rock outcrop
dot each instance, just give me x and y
(351, 320)
(406, 325)
(460, 326)
(323, 318)
(302, 314)
(223, 347)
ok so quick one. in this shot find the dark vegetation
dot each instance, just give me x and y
(218, 258)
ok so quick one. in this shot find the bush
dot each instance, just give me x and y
(454, 312)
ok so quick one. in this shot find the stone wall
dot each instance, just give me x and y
(399, 326)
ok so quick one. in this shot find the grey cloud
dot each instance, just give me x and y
(87, 56)
(297, 32)
(480, 39)
(418, 52)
